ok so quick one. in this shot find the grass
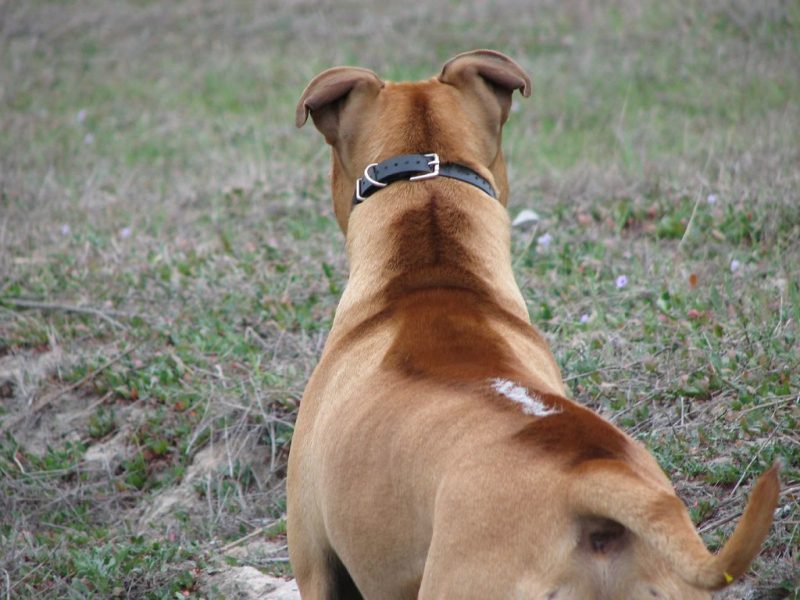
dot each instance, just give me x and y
(169, 264)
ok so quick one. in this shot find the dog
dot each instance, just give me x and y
(436, 454)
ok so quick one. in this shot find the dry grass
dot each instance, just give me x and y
(169, 264)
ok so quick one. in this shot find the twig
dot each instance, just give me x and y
(19, 464)
(24, 577)
(528, 244)
(720, 522)
(689, 224)
(630, 365)
(8, 584)
(249, 536)
(788, 491)
(106, 315)
(89, 410)
(750, 464)
(59, 527)
(43, 402)
(736, 514)
(781, 400)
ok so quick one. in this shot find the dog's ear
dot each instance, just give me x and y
(501, 74)
(324, 95)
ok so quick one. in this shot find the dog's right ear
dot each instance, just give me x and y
(324, 97)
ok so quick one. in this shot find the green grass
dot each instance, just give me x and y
(174, 230)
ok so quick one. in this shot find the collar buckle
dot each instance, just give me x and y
(370, 179)
(433, 162)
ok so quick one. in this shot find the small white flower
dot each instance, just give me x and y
(712, 199)
(81, 116)
(544, 241)
(125, 232)
(65, 229)
(525, 217)
(584, 318)
(622, 281)
(735, 264)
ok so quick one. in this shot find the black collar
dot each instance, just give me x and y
(414, 167)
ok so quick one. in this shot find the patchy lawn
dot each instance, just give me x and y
(169, 264)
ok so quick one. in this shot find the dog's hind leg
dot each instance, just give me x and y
(319, 572)
(342, 585)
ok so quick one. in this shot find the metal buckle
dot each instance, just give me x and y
(434, 162)
(369, 178)
(359, 197)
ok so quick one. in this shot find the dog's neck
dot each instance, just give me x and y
(418, 236)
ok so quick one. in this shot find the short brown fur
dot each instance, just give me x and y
(411, 475)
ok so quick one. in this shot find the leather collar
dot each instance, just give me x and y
(414, 167)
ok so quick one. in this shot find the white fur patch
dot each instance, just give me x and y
(531, 403)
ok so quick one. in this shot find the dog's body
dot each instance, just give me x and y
(435, 454)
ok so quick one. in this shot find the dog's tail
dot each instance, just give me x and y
(610, 489)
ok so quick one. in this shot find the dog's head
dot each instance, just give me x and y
(459, 115)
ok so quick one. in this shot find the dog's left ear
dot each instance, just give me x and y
(494, 69)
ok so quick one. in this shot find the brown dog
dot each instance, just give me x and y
(435, 453)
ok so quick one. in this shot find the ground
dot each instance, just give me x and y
(169, 264)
